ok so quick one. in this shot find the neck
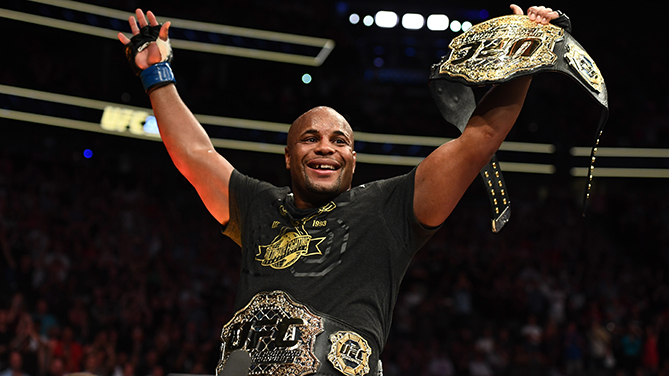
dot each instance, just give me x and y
(311, 200)
(310, 203)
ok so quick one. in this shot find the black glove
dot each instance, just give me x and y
(562, 21)
(146, 36)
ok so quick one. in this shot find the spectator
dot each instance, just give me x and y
(47, 319)
(15, 367)
(6, 336)
(479, 366)
(56, 367)
(486, 342)
(31, 345)
(650, 356)
(532, 332)
(462, 298)
(440, 365)
(573, 350)
(599, 342)
(68, 348)
(631, 346)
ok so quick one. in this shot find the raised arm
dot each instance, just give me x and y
(186, 141)
(444, 176)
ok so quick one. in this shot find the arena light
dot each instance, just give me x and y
(613, 172)
(456, 26)
(438, 22)
(413, 21)
(466, 25)
(306, 78)
(386, 19)
(368, 21)
(579, 151)
(354, 19)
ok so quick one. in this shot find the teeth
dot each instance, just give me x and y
(325, 167)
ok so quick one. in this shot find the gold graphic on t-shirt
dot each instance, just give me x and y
(291, 243)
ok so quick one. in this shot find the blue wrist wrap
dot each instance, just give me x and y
(157, 75)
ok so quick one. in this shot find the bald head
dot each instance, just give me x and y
(320, 114)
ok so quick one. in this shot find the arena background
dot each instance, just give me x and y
(111, 265)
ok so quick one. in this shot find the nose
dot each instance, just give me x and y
(324, 147)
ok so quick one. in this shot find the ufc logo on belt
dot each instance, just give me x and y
(279, 332)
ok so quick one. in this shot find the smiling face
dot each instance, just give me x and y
(320, 156)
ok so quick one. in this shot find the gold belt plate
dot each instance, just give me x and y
(497, 49)
(349, 353)
(278, 333)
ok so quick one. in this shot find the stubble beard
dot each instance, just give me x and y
(332, 189)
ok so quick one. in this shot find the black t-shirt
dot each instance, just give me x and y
(345, 259)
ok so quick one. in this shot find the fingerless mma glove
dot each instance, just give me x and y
(156, 75)
(562, 21)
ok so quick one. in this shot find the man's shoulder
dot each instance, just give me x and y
(378, 191)
(243, 181)
(383, 183)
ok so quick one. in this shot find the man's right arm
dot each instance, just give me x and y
(186, 141)
(192, 152)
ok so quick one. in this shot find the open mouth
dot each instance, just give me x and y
(324, 165)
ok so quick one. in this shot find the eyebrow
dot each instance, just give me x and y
(315, 131)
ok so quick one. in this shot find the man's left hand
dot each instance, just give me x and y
(538, 14)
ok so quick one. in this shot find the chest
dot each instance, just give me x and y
(312, 243)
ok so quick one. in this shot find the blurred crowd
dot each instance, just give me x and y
(118, 270)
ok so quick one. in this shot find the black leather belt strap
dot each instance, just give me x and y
(456, 103)
(237, 364)
(499, 50)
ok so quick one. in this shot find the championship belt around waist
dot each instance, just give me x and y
(283, 337)
(497, 51)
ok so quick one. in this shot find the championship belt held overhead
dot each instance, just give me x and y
(499, 50)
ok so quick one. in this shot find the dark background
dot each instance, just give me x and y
(138, 278)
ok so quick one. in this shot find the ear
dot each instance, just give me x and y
(354, 161)
(286, 155)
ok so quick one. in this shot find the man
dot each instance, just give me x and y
(322, 262)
